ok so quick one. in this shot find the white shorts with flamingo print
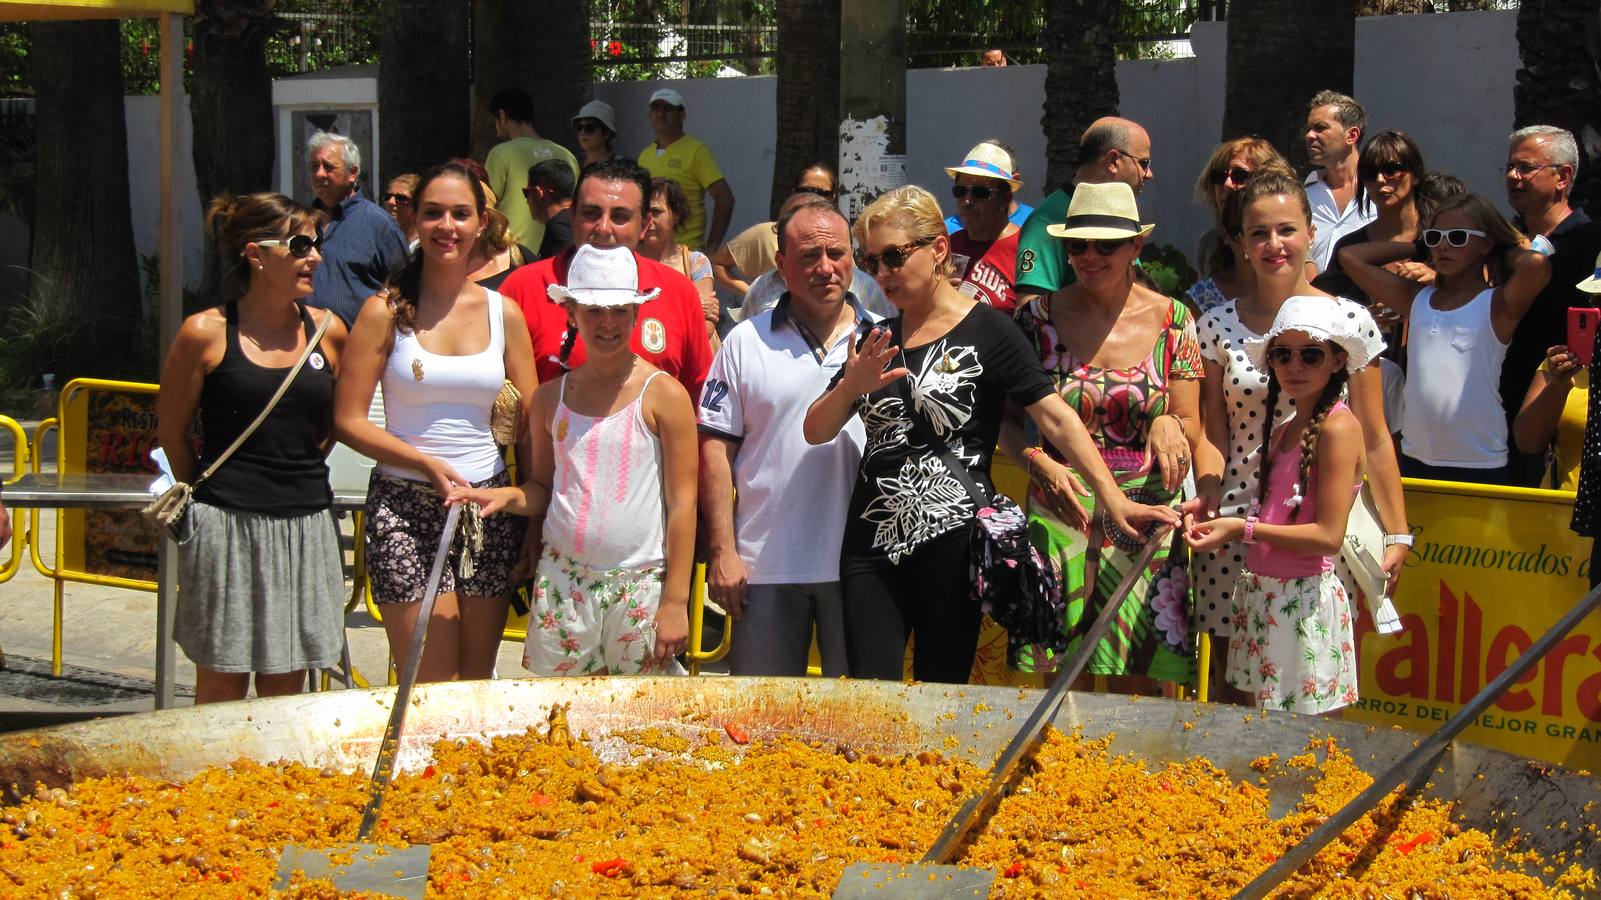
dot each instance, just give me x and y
(585, 621)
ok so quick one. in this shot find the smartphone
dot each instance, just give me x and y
(1581, 332)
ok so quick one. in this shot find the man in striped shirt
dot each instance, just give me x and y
(362, 247)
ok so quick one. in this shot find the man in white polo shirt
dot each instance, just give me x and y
(774, 556)
(1335, 124)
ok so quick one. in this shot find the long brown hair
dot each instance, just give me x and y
(237, 221)
(402, 293)
(1488, 219)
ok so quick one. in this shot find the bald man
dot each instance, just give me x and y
(1111, 149)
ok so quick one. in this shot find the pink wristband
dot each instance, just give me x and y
(1250, 529)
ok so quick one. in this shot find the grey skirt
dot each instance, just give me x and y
(258, 593)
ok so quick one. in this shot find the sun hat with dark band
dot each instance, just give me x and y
(599, 276)
(987, 161)
(1592, 285)
(1101, 212)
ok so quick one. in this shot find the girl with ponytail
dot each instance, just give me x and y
(1291, 645)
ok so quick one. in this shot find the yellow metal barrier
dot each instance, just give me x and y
(20, 536)
(697, 622)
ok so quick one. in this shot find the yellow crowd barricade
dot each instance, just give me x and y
(21, 537)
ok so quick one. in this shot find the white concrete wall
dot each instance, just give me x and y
(1446, 79)
(144, 183)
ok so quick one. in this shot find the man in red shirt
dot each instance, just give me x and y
(985, 249)
(609, 211)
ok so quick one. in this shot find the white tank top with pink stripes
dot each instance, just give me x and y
(607, 507)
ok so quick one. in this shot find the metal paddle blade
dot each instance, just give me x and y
(893, 881)
(373, 868)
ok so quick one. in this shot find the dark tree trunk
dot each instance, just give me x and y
(1080, 77)
(543, 47)
(83, 253)
(423, 98)
(1560, 47)
(1274, 68)
(808, 91)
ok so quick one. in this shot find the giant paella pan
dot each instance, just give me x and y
(767, 787)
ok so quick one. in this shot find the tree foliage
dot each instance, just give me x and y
(1273, 69)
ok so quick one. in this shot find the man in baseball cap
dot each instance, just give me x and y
(676, 155)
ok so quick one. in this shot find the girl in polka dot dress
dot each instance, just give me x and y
(1277, 234)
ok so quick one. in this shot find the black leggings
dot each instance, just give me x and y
(925, 594)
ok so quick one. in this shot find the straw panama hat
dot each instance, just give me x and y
(1592, 285)
(1344, 322)
(601, 277)
(987, 161)
(1101, 212)
(600, 111)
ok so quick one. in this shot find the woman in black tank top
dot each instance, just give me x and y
(261, 582)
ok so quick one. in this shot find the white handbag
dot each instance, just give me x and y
(1361, 561)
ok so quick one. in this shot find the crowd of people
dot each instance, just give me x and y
(823, 441)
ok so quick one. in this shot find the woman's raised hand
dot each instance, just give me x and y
(865, 368)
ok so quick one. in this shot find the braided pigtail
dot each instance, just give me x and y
(567, 344)
(1265, 464)
(1314, 423)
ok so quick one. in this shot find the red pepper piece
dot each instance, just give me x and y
(736, 733)
(1407, 848)
(1013, 870)
(610, 868)
(541, 799)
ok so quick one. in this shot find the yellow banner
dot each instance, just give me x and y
(1493, 568)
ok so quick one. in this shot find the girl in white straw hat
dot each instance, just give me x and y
(612, 485)
(1291, 645)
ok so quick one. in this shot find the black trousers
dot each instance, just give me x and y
(926, 594)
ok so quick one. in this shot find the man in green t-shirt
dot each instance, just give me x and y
(509, 161)
(686, 160)
(1111, 149)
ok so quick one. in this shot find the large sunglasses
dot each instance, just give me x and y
(1311, 356)
(1236, 175)
(893, 258)
(300, 245)
(588, 126)
(1456, 237)
(825, 193)
(979, 192)
(1384, 170)
(396, 196)
(1081, 246)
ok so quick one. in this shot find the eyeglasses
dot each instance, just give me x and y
(1311, 356)
(396, 196)
(825, 193)
(1456, 237)
(1081, 246)
(300, 245)
(1144, 162)
(980, 192)
(893, 258)
(1384, 170)
(1236, 175)
(1524, 169)
(588, 126)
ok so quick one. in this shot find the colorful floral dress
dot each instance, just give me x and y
(1151, 634)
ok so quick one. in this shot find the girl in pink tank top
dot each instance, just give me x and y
(610, 493)
(1291, 645)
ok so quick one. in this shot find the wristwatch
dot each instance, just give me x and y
(1391, 540)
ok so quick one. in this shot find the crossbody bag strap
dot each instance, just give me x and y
(271, 404)
(924, 432)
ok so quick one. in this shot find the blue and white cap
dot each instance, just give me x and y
(987, 161)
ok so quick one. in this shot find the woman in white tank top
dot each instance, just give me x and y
(442, 347)
(611, 492)
(1453, 427)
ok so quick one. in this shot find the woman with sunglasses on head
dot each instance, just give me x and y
(984, 249)
(1277, 238)
(260, 566)
(442, 346)
(1392, 174)
(1459, 329)
(946, 365)
(667, 207)
(751, 251)
(397, 201)
(596, 128)
(1125, 360)
(1219, 255)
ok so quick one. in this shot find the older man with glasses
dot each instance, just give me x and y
(1541, 168)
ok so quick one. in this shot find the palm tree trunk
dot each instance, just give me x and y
(423, 97)
(1080, 77)
(543, 47)
(83, 253)
(808, 91)
(1280, 53)
(1558, 42)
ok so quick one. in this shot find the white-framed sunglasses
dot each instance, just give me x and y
(300, 245)
(1456, 237)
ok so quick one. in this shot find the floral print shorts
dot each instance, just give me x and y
(585, 621)
(404, 519)
(1292, 647)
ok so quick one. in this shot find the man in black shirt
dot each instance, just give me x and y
(1541, 168)
(550, 200)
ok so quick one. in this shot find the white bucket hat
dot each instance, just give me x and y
(601, 276)
(1344, 322)
(987, 161)
(600, 111)
(1101, 212)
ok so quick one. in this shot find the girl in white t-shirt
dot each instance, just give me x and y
(1459, 328)
(612, 487)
